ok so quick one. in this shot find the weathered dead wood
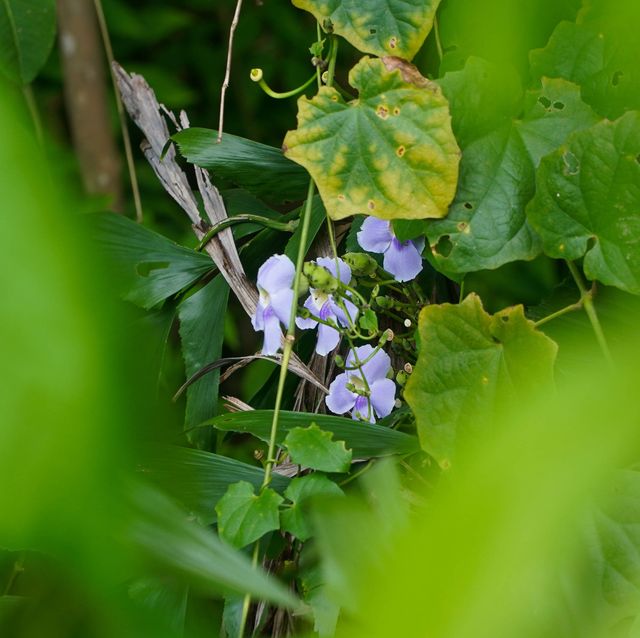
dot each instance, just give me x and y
(143, 108)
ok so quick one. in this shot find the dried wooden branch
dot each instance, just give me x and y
(144, 109)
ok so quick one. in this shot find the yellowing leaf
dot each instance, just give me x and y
(390, 153)
(381, 27)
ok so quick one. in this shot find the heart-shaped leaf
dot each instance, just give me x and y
(315, 448)
(587, 202)
(487, 225)
(470, 366)
(244, 517)
(390, 153)
(300, 492)
(381, 27)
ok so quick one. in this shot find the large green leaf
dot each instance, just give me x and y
(244, 517)
(588, 202)
(198, 480)
(600, 54)
(27, 31)
(471, 366)
(367, 441)
(614, 540)
(316, 448)
(202, 333)
(301, 492)
(148, 266)
(260, 169)
(381, 27)
(390, 153)
(163, 533)
(487, 225)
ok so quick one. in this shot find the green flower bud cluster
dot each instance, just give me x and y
(320, 278)
(361, 264)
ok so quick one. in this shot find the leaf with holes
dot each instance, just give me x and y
(587, 202)
(600, 54)
(487, 225)
(381, 27)
(27, 31)
(314, 448)
(472, 365)
(244, 517)
(300, 492)
(390, 153)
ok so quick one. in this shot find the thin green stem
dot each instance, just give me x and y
(436, 32)
(333, 56)
(29, 98)
(355, 475)
(461, 296)
(586, 297)
(284, 365)
(275, 94)
(289, 226)
(559, 313)
(246, 603)
(126, 140)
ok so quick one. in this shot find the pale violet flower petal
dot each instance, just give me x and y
(402, 260)
(328, 339)
(329, 263)
(257, 320)
(340, 314)
(272, 333)
(383, 396)
(375, 235)
(281, 302)
(377, 367)
(308, 323)
(340, 400)
(358, 354)
(363, 411)
(276, 273)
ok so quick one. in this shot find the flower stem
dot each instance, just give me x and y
(586, 297)
(284, 365)
(282, 95)
(559, 313)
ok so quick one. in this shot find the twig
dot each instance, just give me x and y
(227, 73)
(126, 139)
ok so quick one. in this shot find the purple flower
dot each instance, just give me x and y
(324, 305)
(365, 390)
(403, 259)
(275, 285)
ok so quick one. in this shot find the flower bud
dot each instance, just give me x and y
(361, 264)
(384, 302)
(256, 75)
(339, 361)
(320, 278)
(303, 285)
(408, 368)
(401, 378)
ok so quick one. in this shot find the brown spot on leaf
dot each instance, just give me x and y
(409, 72)
(371, 204)
(396, 111)
(393, 42)
(400, 151)
(341, 197)
(382, 112)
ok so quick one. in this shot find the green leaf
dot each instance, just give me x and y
(390, 153)
(472, 365)
(244, 517)
(368, 320)
(27, 32)
(381, 27)
(260, 169)
(166, 600)
(600, 54)
(148, 266)
(371, 441)
(588, 202)
(615, 544)
(487, 225)
(300, 492)
(162, 532)
(202, 333)
(325, 611)
(198, 480)
(316, 449)
(405, 229)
